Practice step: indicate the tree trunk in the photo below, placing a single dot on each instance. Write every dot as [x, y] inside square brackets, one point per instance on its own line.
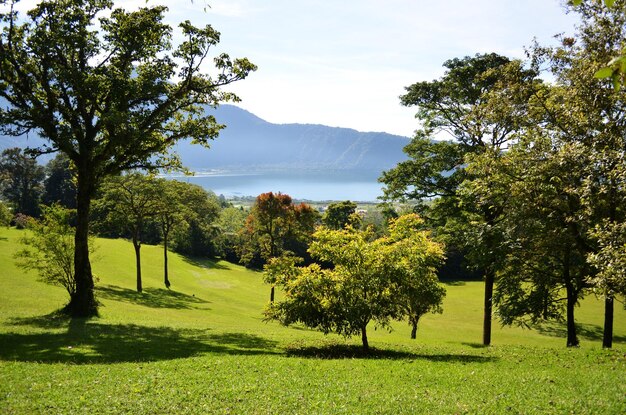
[607, 339]
[165, 274]
[572, 338]
[488, 307]
[83, 302]
[137, 246]
[272, 295]
[366, 345]
[414, 330]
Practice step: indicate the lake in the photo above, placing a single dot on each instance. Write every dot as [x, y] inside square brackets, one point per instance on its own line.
[310, 185]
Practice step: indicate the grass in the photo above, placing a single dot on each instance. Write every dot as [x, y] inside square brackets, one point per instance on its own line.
[202, 347]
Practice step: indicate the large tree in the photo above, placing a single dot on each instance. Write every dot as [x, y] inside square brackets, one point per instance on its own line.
[589, 113]
[471, 103]
[109, 89]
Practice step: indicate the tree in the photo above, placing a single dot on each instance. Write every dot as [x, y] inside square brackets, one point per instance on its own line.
[130, 201]
[276, 226]
[109, 89]
[368, 281]
[197, 233]
[230, 221]
[20, 181]
[419, 290]
[60, 183]
[471, 103]
[170, 212]
[598, 125]
[339, 214]
[49, 248]
[544, 242]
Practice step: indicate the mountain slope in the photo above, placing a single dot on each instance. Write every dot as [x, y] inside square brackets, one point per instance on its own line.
[250, 143]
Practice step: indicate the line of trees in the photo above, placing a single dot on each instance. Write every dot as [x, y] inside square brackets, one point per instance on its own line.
[531, 187]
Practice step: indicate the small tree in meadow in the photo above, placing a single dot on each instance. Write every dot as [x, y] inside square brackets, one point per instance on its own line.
[49, 247]
[371, 280]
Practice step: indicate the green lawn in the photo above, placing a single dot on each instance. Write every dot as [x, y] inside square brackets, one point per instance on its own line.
[202, 347]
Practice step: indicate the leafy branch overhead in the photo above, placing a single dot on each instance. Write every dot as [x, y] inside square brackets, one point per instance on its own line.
[615, 69]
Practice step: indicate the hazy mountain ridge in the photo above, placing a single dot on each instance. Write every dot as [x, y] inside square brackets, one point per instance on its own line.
[250, 143]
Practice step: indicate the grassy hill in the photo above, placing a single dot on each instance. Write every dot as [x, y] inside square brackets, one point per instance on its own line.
[202, 347]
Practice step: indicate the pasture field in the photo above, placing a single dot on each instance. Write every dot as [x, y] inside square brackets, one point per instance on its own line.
[203, 348]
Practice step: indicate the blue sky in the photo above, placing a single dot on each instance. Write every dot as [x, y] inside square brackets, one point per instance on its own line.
[345, 62]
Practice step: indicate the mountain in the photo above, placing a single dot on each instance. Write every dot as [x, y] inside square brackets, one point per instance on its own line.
[249, 143]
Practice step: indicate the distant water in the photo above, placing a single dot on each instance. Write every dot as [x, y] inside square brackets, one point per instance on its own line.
[309, 185]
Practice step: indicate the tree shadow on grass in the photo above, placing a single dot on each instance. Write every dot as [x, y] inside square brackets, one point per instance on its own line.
[475, 345]
[590, 332]
[152, 297]
[203, 263]
[87, 341]
[340, 351]
[453, 283]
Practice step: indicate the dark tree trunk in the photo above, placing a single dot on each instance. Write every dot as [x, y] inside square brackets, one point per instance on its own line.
[83, 302]
[137, 246]
[366, 345]
[488, 307]
[165, 274]
[414, 330]
[272, 295]
[572, 338]
[607, 339]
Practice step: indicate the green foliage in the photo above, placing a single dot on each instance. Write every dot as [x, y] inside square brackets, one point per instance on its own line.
[275, 226]
[60, 182]
[610, 259]
[49, 247]
[5, 214]
[480, 103]
[338, 215]
[130, 202]
[230, 221]
[614, 69]
[200, 208]
[381, 280]
[21, 181]
[419, 292]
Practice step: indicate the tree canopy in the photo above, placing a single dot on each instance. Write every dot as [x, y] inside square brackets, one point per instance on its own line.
[370, 280]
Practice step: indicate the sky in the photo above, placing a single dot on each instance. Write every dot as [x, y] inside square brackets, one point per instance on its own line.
[344, 63]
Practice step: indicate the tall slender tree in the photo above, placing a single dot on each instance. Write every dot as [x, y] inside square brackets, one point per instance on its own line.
[462, 104]
[130, 201]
